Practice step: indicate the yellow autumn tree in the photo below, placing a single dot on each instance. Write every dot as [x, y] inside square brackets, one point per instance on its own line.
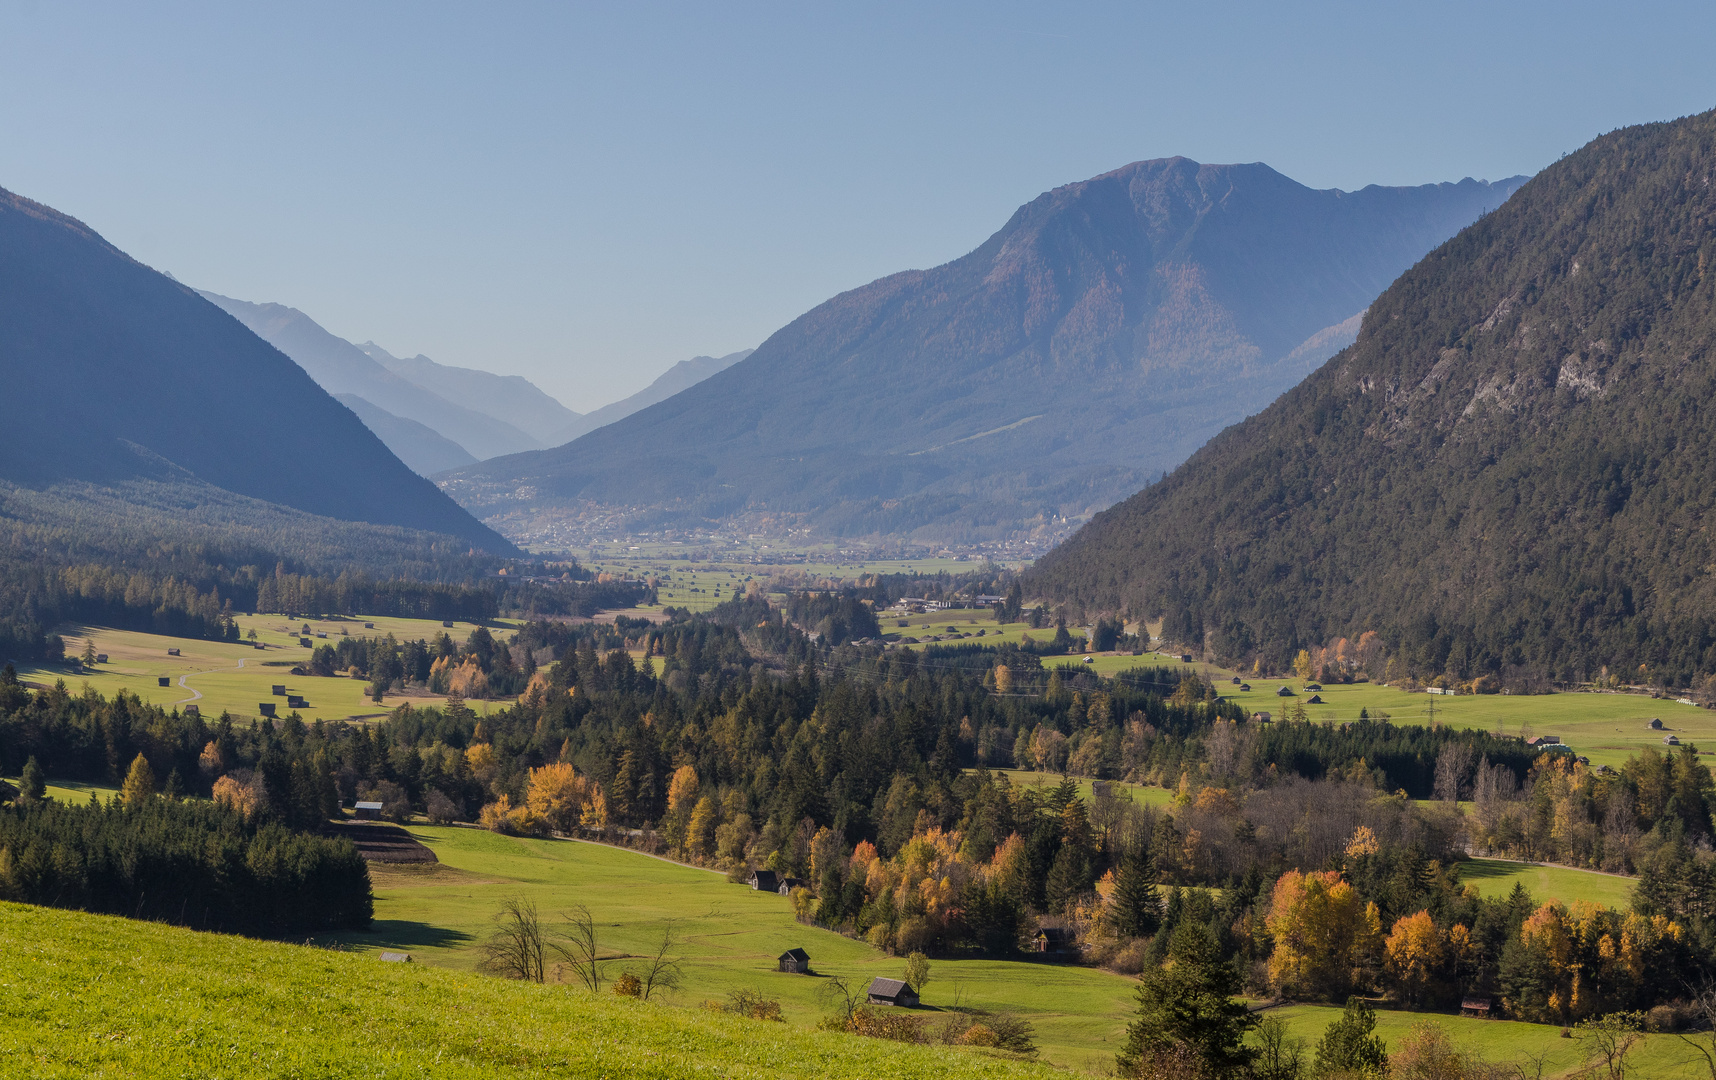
[1302, 665]
[681, 797]
[234, 795]
[139, 783]
[700, 832]
[557, 795]
[1414, 957]
[1323, 931]
[595, 814]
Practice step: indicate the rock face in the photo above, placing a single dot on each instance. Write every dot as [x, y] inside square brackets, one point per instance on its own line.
[115, 372]
[1510, 468]
[1102, 335]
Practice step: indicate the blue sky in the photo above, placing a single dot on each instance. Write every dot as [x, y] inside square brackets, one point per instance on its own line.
[586, 194]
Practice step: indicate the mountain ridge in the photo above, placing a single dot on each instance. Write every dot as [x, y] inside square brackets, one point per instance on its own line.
[1099, 308]
[1507, 469]
[166, 384]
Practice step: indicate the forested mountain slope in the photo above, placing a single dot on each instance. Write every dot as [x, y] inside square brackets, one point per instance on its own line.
[1514, 464]
[113, 372]
[1099, 337]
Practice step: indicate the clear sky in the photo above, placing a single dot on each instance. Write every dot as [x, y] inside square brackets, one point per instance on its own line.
[586, 194]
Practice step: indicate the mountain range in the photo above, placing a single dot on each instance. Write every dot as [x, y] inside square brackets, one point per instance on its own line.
[1096, 340]
[116, 373]
[1512, 467]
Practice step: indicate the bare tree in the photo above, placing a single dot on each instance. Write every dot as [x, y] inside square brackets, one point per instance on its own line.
[661, 971]
[842, 995]
[581, 950]
[1704, 1000]
[1453, 766]
[516, 949]
[1610, 1040]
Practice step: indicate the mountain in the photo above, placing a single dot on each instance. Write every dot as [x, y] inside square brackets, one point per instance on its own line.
[1102, 335]
[340, 367]
[115, 372]
[423, 449]
[512, 399]
[1513, 467]
[681, 376]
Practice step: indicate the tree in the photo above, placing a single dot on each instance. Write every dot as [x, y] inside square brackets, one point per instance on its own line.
[1186, 1012]
[661, 970]
[917, 971]
[139, 783]
[700, 831]
[581, 953]
[1302, 665]
[1136, 908]
[516, 949]
[1348, 1045]
[32, 787]
[1415, 954]
[88, 656]
[1279, 1055]
[1323, 929]
[1608, 1041]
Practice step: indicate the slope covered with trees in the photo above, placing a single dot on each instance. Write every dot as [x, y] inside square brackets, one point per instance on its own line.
[1511, 466]
[1099, 337]
[115, 372]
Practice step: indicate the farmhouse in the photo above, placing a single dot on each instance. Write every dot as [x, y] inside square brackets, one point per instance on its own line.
[892, 992]
[765, 881]
[1052, 939]
[1543, 740]
[788, 884]
[795, 962]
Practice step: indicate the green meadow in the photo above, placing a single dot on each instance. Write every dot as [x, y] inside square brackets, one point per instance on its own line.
[732, 935]
[220, 676]
[92, 996]
[1497, 877]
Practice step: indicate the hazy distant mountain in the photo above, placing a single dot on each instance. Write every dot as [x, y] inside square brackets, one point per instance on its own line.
[1511, 467]
[681, 376]
[422, 448]
[512, 399]
[1108, 330]
[115, 372]
[342, 368]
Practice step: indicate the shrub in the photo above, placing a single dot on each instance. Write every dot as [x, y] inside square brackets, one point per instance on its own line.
[885, 1024]
[628, 985]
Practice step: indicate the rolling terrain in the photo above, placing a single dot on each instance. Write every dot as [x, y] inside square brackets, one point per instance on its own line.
[1097, 339]
[1511, 467]
[117, 373]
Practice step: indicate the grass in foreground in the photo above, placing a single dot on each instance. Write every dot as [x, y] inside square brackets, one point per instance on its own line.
[97, 996]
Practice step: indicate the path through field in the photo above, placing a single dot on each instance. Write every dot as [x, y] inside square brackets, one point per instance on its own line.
[197, 695]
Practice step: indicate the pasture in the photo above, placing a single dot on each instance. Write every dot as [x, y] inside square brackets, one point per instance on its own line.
[732, 935]
[1497, 877]
[94, 996]
[220, 676]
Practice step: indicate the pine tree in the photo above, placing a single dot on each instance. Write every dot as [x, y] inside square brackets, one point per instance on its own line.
[32, 787]
[1348, 1046]
[88, 657]
[139, 783]
[1136, 909]
[1187, 1016]
[175, 788]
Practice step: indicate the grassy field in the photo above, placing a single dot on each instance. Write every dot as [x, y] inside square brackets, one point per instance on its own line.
[96, 996]
[219, 676]
[1661, 1057]
[1141, 793]
[732, 935]
[1496, 877]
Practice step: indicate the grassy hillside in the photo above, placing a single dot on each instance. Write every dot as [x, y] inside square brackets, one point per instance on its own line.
[220, 676]
[94, 996]
[732, 935]
[1511, 467]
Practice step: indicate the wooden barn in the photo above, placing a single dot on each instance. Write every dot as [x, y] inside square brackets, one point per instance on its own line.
[892, 992]
[765, 881]
[795, 962]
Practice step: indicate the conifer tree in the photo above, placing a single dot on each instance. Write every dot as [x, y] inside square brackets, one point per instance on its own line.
[139, 783]
[1348, 1046]
[32, 787]
[1187, 1016]
[1136, 909]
